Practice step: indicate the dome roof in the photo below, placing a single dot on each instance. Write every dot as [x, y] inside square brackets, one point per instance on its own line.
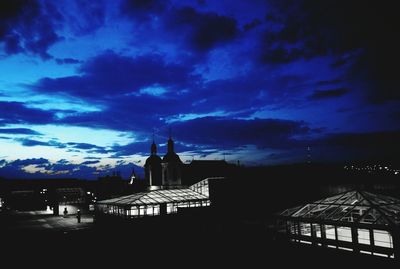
[153, 159]
[172, 157]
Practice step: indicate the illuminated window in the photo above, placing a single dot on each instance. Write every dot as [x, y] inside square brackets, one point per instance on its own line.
[305, 228]
[134, 211]
[292, 227]
[344, 234]
[330, 232]
[142, 210]
[363, 236]
[383, 239]
[150, 211]
[156, 210]
[169, 209]
[317, 229]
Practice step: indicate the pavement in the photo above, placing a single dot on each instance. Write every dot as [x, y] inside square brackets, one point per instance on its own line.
[45, 221]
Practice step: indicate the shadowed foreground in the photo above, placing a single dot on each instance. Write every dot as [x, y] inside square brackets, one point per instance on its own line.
[160, 243]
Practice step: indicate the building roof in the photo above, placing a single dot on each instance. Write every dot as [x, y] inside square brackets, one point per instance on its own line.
[162, 196]
[352, 207]
[153, 159]
[171, 157]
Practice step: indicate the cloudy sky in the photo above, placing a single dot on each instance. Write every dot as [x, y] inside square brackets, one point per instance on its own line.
[84, 85]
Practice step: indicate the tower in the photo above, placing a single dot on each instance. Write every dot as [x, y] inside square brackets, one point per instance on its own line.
[309, 155]
[132, 177]
[171, 166]
[152, 167]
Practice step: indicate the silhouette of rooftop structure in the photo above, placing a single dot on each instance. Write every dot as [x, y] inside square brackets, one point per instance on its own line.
[156, 202]
[355, 220]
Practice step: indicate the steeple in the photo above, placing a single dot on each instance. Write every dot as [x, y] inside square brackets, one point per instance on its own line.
[170, 143]
[153, 148]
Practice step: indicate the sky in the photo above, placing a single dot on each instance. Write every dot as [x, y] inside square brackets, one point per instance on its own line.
[85, 86]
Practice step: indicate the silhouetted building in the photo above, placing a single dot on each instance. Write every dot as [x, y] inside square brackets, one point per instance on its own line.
[133, 177]
[197, 170]
[170, 171]
[69, 200]
[111, 186]
[171, 167]
[356, 221]
[152, 168]
[155, 202]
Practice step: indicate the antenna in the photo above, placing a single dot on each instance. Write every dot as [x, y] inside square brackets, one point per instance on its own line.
[308, 154]
[169, 132]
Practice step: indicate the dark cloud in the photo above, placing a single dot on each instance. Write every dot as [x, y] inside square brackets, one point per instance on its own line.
[64, 169]
[220, 132]
[67, 61]
[110, 74]
[327, 94]
[143, 148]
[26, 162]
[17, 112]
[91, 158]
[203, 30]
[24, 131]
[199, 31]
[32, 143]
[143, 9]
[372, 146]
[253, 24]
[28, 26]
[280, 54]
[91, 16]
[89, 147]
[71, 146]
[90, 162]
[133, 148]
[313, 28]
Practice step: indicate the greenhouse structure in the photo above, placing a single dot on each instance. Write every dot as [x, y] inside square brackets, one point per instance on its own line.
[356, 221]
[156, 202]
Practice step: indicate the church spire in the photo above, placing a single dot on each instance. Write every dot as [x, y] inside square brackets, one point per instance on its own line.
[170, 142]
[153, 147]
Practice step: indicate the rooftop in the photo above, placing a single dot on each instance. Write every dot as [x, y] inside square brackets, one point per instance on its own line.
[351, 206]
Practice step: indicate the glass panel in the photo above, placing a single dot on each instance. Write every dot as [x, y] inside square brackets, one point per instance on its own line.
[134, 211]
[304, 210]
[142, 211]
[383, 239]
[156, 210]
[330, 232]
[354, 214]
[317, 229]
[305, 228]
[316, 211]
[290, 211]
[328, 211]
[149, 210]
[371, 216]
[363, 236]
[340, 212]
[344, 233]
[393, 212]
[169, 208]
[292, 227]
[333, 199]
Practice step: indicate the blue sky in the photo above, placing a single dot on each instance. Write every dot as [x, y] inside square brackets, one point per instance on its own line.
[84, 85]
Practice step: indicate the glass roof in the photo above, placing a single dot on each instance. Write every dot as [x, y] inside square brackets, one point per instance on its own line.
[351, 206]
[161, 196]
